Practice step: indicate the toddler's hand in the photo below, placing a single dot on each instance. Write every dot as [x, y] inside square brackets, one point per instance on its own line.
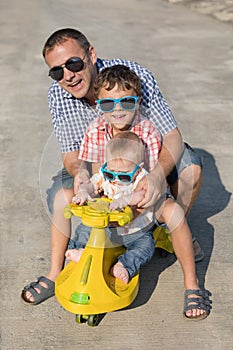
[132, 199]
[81, 197]
[118, 203]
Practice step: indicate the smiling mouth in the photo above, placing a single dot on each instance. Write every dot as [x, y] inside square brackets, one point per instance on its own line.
[75, 83]
[119, 116]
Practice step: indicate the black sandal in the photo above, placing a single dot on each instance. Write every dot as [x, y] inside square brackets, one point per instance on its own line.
[39, 297]
[201, 301]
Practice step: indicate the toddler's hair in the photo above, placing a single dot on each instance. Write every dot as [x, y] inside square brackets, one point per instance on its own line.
[125, 145]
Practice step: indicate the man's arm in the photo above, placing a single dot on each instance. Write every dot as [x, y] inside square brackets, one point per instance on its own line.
[154, 184]
[171, 151]
[76, 168]
[71, 162]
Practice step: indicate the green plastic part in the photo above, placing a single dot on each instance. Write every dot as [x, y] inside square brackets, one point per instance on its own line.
[80, 298]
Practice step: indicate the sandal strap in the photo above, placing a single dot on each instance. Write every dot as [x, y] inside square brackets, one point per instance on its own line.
[44, 292]
[37, 284]
[201, 301]
[47, 281]
[200, 292]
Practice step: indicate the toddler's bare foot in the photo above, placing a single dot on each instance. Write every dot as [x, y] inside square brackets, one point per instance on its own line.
[120, 272]
[74, 254]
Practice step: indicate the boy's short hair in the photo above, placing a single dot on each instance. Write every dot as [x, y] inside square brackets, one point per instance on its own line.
[125, 145]
[119, 75]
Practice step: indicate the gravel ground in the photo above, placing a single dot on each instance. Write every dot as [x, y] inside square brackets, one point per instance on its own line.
[219, 9]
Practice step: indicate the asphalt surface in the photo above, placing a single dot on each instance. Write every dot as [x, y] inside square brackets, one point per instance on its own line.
[222, 10]
[191, 56]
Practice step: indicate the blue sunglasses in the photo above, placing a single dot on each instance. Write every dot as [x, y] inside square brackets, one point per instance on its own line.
[127, 103]
[123, 177]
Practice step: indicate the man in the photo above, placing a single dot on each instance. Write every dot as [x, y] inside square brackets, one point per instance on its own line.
[74, 66]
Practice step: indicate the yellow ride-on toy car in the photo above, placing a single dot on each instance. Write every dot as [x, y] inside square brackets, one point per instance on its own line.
[86, 288]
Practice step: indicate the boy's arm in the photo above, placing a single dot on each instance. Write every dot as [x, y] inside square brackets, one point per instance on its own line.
[84, 185]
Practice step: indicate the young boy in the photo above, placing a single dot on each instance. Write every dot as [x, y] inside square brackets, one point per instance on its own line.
[117, 180]
[118, 93]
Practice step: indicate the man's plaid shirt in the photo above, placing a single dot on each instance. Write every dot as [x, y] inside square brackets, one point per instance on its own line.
[100, 131]
[71, 116]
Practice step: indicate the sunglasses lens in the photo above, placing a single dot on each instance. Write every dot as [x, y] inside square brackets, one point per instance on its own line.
[108, 176]
[75, 64]
[106, 105]
[56, 73]
[124, 178]
[128, 103]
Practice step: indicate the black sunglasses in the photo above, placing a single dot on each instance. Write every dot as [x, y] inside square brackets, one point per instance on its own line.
[73, 64]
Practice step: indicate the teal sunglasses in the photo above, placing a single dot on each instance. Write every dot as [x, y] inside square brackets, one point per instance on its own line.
[127, 103]
[123, 177]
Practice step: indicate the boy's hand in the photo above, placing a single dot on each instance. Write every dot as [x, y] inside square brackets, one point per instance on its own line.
[82, 177]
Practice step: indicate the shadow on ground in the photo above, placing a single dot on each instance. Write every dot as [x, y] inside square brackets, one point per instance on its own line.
[213, 199]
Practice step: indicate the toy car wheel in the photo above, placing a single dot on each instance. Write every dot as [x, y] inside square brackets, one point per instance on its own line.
[93, 320]
[80, 319]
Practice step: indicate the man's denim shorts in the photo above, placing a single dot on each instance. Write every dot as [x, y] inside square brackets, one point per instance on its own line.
[188, 158]
[64, 180]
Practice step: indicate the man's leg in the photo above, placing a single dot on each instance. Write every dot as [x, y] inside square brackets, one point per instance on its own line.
[187, 188]
[173, 215]
[59, 195]
[185, 183]
[60, 234]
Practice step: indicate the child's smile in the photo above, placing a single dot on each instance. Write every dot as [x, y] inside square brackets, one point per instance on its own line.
[119, 118]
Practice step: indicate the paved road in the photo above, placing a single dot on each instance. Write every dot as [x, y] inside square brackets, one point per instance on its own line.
[222, 10]
[191, 56]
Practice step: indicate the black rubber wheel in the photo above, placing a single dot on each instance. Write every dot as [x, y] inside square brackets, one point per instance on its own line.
[80, 319]
[93, 320]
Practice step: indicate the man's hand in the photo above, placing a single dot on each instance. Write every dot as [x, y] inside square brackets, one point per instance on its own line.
[154, 183]
[154, 186]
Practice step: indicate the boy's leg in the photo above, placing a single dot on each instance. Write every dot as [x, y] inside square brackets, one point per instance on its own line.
[140, 249]
[78, 243]
[119, 271]
[74, 254]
